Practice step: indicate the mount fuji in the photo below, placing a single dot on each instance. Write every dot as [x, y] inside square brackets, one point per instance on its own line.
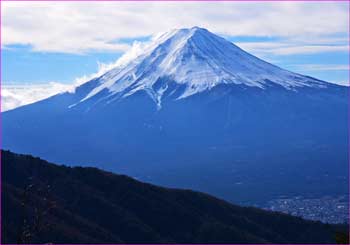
[196, 111]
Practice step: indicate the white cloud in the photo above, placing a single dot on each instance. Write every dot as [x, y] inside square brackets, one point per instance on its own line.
[134, 51]
[342, 83]
[78, 27]
[323, 67]
[16, 95]
[291, 47]
[311, 49]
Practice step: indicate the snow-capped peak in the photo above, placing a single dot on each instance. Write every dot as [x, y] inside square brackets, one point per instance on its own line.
[198, 59]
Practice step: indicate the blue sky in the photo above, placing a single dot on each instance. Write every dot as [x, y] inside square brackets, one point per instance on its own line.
[21, 64]
[66, 42]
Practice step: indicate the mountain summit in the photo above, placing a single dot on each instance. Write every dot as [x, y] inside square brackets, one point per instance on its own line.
[184, 62]
[195, 111]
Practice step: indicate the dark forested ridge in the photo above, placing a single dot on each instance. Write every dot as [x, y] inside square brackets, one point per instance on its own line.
[47, 203]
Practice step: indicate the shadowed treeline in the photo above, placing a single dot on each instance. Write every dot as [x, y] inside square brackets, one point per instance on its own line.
[47, 203]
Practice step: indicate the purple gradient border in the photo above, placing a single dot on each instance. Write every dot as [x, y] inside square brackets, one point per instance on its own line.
[320, 1]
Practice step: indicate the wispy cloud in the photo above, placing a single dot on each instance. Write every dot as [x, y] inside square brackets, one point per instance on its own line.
[342, 83]
[291, 47]
[322, 67]
[80, 27]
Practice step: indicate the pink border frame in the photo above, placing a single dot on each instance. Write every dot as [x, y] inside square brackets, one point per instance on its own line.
[320, 1]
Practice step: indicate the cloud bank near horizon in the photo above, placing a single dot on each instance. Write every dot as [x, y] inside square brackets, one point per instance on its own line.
[15, 95]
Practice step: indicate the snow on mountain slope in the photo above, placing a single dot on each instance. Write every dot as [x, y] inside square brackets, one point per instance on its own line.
[198, 59]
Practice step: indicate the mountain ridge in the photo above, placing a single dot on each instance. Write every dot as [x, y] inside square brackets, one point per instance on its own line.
[88, 205]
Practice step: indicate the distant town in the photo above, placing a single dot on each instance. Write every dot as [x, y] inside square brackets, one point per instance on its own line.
[332, 210]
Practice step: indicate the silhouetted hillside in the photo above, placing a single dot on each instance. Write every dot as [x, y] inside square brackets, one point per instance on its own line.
[47, 203]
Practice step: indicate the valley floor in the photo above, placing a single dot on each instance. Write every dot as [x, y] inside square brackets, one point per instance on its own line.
[327, 209]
